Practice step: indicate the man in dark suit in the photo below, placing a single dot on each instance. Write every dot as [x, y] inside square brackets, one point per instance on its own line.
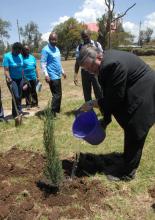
[88, 80]
[129, 95]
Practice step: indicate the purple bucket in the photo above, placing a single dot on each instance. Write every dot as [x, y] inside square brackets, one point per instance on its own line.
[86, 126]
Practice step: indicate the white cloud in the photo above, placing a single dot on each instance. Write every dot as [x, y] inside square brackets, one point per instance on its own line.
[150, 21]
[61, 20]
[132, 28]
[45, 36]
[90, 11]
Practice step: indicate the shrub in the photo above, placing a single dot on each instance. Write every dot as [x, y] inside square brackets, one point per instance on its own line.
[53, 168]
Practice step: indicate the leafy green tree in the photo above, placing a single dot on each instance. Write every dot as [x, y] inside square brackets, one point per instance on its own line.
[145, 36]
[103, 33]
[69, 35]
[148, 34]
[31, 35]
[118, 35]
[106, 22]
[4, 34]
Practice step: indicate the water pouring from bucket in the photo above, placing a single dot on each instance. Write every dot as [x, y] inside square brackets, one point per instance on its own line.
[87, 127]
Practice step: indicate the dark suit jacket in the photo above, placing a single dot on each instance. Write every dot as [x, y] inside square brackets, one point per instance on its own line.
[129, 91]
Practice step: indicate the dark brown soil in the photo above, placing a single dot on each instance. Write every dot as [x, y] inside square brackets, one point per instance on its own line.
[24, 193]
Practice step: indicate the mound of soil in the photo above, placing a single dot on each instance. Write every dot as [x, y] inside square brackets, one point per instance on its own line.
[25, 194]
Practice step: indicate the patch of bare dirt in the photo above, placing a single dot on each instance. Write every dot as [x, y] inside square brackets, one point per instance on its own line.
[25, 195]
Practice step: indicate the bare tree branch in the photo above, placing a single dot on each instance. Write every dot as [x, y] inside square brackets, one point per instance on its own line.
[106, 3]
[123, 13]
[113, 6]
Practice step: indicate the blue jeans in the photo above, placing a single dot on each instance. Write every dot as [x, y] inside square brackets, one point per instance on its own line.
[16, 86]
[1, 107]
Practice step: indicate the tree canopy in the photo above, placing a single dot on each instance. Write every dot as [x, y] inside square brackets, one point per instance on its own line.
[69, 35]
[31, 35]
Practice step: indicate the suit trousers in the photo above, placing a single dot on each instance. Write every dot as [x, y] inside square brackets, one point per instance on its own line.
[56, 90]
[89, 80]
[132, 152]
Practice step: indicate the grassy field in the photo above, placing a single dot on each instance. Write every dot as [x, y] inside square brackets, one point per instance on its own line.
[130, 200]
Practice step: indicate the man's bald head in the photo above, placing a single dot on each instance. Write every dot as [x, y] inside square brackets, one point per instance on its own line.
[53, 39]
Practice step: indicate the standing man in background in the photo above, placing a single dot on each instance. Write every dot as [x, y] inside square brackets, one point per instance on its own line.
[13, 67]
[88, 79]
[52, 68]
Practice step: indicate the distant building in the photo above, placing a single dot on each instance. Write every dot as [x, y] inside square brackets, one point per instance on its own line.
[93, 27]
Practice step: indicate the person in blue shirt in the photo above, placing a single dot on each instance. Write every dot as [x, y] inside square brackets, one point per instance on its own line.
[13, 67]
[52, 68]
[31, 74]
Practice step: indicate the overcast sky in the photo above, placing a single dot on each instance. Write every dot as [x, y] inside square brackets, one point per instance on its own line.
[47, 13]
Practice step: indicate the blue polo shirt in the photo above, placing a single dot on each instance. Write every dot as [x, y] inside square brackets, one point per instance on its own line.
[29, 65]
[14, 63]
[51, 60]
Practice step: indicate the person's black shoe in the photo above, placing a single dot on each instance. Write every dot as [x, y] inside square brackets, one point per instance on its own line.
[121, 178]
[113, 178]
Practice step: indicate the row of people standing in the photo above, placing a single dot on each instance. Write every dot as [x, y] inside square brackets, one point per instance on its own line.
[52, 68]
[19, 64]
[19, 68]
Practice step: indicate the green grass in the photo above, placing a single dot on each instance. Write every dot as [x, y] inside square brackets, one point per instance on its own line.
[130, 200]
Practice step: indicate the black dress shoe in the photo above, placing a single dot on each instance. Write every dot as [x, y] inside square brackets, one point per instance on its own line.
[120, 178]
[113, 178]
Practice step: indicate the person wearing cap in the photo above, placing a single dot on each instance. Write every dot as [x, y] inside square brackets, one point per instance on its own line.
[129, 95]
[13, 70]
[31, 74]
[88, 80]
[52, 68]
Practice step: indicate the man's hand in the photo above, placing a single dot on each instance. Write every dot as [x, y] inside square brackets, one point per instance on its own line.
[76, 79]
[47, 79]
[38, 78]
[87, 106]
[64, 75]
[8, 79]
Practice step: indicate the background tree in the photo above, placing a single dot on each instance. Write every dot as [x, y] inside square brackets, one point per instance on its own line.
[69, 35]
[145, 36]
[148, 34]
[102, 33]
[118, 35]
[108, 20]
[4, 29]
[31, 35]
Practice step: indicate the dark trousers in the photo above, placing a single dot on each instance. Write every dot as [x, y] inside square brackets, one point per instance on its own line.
[56, 90]
[16, 86]
[1, 107]
[132, 153]
[89, 80]
[30, 94]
